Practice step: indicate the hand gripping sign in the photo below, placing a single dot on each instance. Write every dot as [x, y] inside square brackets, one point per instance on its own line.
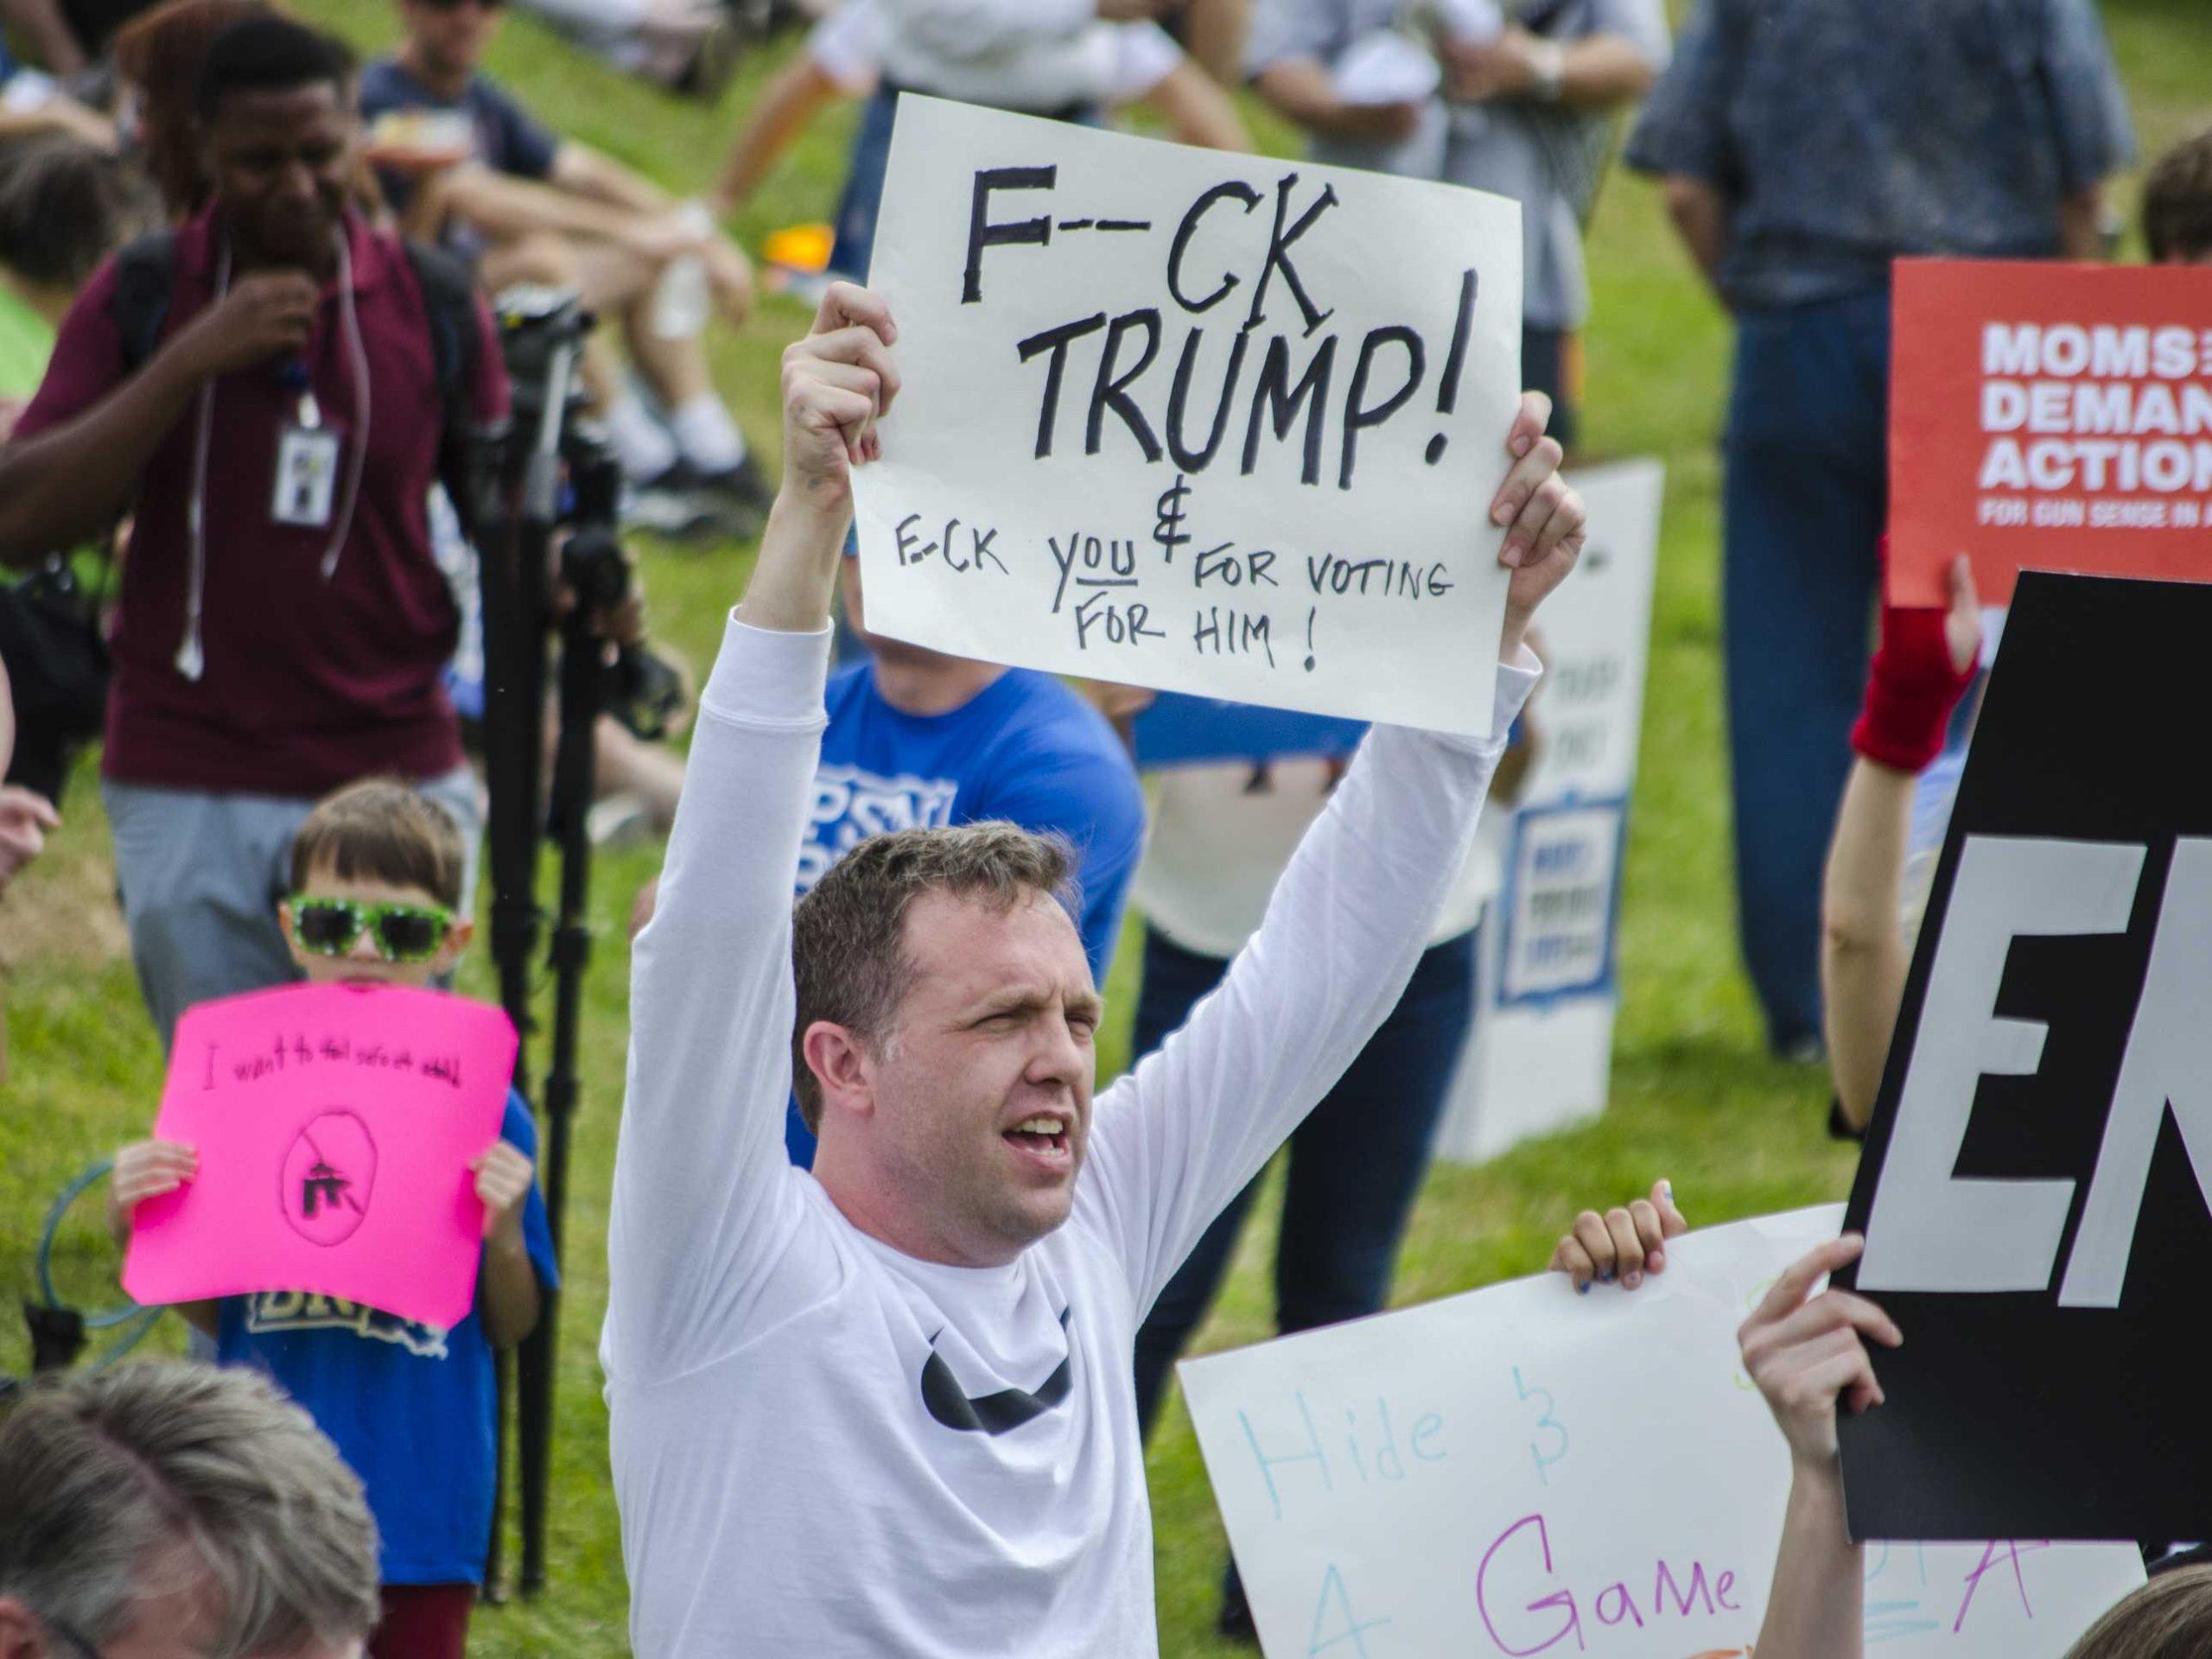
[334, 1126]
[1204, 422]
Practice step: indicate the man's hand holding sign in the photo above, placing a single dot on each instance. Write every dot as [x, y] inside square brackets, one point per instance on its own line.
[889, 1406]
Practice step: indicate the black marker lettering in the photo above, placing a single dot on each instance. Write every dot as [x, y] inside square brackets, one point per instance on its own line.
[1190, 459]
[1111, 392]
[1282, 401]
[1279, 243]
[983, 234]
[1234, 189]
[1358, 415]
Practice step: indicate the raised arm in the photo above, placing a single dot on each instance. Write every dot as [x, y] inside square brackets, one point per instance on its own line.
[1925, 663]
[1175, 1139]
[1808, 1359]
[703, 1193]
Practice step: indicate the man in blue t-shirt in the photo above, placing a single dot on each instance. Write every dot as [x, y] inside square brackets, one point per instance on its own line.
[466, 164]
[917, 738]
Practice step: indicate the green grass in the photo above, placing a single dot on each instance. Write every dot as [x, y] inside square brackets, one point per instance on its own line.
[1694, 1096]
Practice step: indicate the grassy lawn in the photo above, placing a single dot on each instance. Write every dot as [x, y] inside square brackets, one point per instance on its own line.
[1694, 1096]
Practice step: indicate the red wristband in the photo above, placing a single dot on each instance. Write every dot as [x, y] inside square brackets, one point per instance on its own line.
[1910, 691]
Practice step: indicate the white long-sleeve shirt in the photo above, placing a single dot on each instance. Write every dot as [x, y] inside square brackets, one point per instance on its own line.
[822, 1447]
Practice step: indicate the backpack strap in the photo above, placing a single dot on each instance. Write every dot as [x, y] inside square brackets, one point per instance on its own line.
[145, 273]
[449, 301]
[456, 354]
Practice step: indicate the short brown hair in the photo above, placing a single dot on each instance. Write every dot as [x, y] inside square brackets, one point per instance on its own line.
[381, 829]
[2177, 201]
[2170, 1618]
[849, 952]
[110, 1475]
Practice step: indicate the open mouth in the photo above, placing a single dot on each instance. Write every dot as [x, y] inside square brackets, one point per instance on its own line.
[1042, 1137]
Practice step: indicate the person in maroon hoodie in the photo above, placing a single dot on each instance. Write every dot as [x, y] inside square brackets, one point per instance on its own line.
[281, 624]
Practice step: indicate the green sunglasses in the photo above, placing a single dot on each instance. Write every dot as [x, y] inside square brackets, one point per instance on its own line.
[329, 927]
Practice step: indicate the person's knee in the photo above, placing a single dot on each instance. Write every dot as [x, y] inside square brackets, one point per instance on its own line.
[540, 257]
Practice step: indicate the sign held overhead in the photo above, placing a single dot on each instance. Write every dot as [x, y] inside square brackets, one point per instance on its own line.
[1205, 423]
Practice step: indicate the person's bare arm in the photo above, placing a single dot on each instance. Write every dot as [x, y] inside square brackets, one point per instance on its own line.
[1214, 32]
[503, 208]
[67, 484]
[583, 171]
[1301, 91]
[2082, 224]
[62, 114]
[1197, 110]
[787, 106]
[1700, 214]
[1862, 947]
[507, 1284]
[838, 382]
[48, 35]
[1863, 957]
[1810, 1361]
[1598, 72]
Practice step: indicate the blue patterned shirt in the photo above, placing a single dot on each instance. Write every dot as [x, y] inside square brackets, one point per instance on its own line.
[1847, 132]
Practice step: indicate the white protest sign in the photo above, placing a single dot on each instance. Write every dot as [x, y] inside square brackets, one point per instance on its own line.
[1195, 420]
[1520, 1471]
[1542, 1049]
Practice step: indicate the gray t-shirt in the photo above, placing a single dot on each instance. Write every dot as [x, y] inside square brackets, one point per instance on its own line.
[1545, 157]
[1844, 139]
[1548, 159]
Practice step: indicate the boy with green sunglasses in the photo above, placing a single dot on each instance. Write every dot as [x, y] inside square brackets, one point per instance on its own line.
[376, 881]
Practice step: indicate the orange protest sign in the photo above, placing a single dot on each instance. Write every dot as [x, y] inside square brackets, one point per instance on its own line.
[2051, 417]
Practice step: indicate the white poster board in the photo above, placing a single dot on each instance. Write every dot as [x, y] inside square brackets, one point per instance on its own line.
[1540, 1057]
[1521, 1470]
[1201, 422]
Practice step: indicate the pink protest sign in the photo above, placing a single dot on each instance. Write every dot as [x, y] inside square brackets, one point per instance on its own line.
[334, 1125]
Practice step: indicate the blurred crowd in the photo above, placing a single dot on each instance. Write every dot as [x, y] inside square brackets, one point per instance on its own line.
[258, 305]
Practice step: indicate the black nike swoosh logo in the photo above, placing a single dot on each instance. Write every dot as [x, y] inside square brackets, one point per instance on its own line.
[992, 1414]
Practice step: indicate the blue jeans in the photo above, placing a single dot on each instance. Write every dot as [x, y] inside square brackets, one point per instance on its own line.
[862, 204]
[1356, 1162]
[1805, 500]
[863, 196]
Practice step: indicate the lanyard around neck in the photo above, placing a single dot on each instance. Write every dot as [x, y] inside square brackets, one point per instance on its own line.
[191, 652]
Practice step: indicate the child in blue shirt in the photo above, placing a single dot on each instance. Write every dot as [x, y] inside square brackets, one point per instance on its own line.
[376, 881]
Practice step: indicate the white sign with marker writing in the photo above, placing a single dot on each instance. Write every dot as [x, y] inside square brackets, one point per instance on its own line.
[1191, 420]
[1522, 1471]
[1542, 1056]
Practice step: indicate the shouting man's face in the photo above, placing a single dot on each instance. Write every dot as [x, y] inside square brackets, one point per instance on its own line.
[958, 1136]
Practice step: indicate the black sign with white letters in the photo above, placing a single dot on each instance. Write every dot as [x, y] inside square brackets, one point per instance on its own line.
[2034, 1187]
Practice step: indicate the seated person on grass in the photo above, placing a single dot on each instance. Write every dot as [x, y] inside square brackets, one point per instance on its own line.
[531, 206]
[376, 879]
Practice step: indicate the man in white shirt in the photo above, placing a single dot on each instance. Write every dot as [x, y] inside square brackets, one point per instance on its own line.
[886, 1407]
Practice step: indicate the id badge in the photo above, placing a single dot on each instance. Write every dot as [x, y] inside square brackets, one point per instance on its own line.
[307, 478]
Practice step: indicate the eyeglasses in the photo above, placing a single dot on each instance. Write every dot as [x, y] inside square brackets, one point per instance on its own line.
[329, 927]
